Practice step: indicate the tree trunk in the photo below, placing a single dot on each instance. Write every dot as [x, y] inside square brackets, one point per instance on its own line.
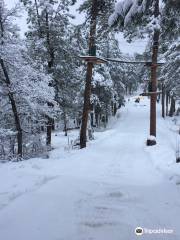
[38, 18]
[154, 78]
[163, 101]
[50, 66]
[18, 125]
[97, 118]
[87, 93]
[53, 125]
[115, 109]
[172, 107]
[65, 123]
[14, 109]
[48, 131]
[11, 97]
[167, 103]
[92, 119]
[86, 108]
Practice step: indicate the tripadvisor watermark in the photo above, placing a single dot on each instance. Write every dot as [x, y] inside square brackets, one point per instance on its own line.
[139, 231]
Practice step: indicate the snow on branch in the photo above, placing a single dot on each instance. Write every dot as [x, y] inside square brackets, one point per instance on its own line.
[126, 10]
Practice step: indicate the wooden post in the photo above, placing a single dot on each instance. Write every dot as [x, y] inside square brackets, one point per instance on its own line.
[154, 78]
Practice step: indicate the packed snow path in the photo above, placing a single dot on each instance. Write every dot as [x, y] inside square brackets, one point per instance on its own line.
[100, 193]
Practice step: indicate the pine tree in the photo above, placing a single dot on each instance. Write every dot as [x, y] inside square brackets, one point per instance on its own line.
[95, 16]
[48, 31]
[170, 74]
[170, 52]
[25, 88]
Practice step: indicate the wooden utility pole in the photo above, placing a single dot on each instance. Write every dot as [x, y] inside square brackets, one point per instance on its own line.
[87, 93]
[154, 66]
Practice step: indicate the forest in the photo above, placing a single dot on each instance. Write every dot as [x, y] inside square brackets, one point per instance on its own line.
[89, 127]
[43, 77]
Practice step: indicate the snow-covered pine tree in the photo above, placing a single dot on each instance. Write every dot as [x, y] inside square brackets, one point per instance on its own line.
[69, 75]
[170, 21]
[170, 50]
[48, 32]
[170, 73]
[96, 13]
[108, 78]
[24, 88]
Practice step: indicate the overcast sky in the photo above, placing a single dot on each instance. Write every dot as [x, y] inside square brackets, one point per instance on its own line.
[137, 46]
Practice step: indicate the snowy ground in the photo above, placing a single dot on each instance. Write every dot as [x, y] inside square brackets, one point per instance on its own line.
[101, 193]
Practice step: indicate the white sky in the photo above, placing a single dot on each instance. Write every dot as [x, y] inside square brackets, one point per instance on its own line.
[137, 46]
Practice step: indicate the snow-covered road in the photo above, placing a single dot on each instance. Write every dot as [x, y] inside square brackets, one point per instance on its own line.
[100, 193]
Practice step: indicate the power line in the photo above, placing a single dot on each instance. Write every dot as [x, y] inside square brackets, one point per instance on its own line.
[134, 62]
